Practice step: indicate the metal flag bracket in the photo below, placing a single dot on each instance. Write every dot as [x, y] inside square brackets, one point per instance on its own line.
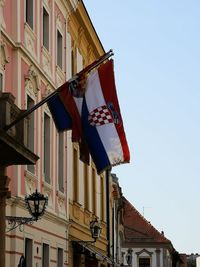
[73, 81]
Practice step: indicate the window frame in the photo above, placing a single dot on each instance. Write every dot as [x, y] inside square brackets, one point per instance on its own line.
[47, 154]
[30, 140]
[144, 258]
[94, 196]
[60, 264]
[29, 259]
[47, 262]
[75, 174]
[44, 29]
[73, 60]
[61, 157]
[102, 196]
[26, 14]
[1, 82]
[59, 50]
[86, 186]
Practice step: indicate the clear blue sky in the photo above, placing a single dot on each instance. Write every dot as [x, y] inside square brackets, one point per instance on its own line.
[157, 70]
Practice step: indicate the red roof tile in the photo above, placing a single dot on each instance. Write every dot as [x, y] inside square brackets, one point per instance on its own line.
[137, 229]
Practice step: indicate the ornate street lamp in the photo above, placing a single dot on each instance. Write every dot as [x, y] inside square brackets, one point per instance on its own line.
[129, 257]
[95, 229]
[36, 205]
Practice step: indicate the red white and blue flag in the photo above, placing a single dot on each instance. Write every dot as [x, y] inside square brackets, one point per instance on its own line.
[101, 119]
[94, 117]
[65, 113]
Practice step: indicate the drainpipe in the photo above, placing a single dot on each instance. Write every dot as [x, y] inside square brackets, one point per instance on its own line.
[4, 193]
[108, 212]
[113, 232]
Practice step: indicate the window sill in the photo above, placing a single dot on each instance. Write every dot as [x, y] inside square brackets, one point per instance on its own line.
[46, 61]
[29, 30]
[47, 186]
[60, 194]
[29, 39]
[29, 175]
[30, 181]
[46, 52]
[47, 190]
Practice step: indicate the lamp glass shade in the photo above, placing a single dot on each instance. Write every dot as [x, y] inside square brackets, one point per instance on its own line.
[95, 229]
[36, 204]
[129, 257]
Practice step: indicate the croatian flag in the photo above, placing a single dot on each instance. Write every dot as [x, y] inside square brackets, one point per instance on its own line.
[101, 120]
[61, 116]
[94, 116]
[65, 113]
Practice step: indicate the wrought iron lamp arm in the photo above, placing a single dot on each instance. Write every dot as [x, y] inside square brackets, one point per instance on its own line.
[15, 221]
[36, 204]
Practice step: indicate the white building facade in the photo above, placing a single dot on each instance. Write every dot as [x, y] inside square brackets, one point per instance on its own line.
[144, 246]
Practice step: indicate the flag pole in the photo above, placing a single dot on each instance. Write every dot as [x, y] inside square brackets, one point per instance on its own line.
[43, 101]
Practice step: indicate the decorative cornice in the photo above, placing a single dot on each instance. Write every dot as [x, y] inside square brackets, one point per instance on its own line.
[31, 59]
[60, 25]
[47, 4]
[144, 251]
[4, 59]
[32, 81]
[2, 21]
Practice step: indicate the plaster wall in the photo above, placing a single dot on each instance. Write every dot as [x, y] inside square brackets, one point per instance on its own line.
[150, 252]
[198, 262]
[29, 69]
[15, 239]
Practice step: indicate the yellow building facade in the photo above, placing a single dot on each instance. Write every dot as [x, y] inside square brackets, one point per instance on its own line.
[86, 189]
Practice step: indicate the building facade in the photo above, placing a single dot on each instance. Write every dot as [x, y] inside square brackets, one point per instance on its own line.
[144, 245]
[116, 220]
[44, 43]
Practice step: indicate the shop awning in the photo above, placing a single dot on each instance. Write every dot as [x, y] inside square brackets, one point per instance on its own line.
[84, 247]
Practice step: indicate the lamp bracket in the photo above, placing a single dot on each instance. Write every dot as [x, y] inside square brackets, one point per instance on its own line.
[84, 242]
[14, 222]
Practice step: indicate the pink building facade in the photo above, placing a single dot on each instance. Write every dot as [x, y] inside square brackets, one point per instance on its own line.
[36, 57]
[30, 70]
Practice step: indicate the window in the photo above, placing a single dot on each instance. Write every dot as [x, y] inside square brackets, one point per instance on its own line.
[28, 252]
[59, 49]
[73, 62]
[144, 262]
[29, 13]
[45, 29]
[79, 61]
[102, 197]
[30, 131]
[86, 189]
[75, 173]
[46, 148]
[61, 162]
[77, 260]
[1, 82]
[45, 255]
[94, 190]
[60, 257]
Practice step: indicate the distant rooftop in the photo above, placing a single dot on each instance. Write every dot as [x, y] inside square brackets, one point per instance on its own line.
[138, 229]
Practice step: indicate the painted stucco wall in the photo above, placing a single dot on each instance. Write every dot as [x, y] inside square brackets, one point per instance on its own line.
[198, 262]
[159, 257]
[29, 69]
